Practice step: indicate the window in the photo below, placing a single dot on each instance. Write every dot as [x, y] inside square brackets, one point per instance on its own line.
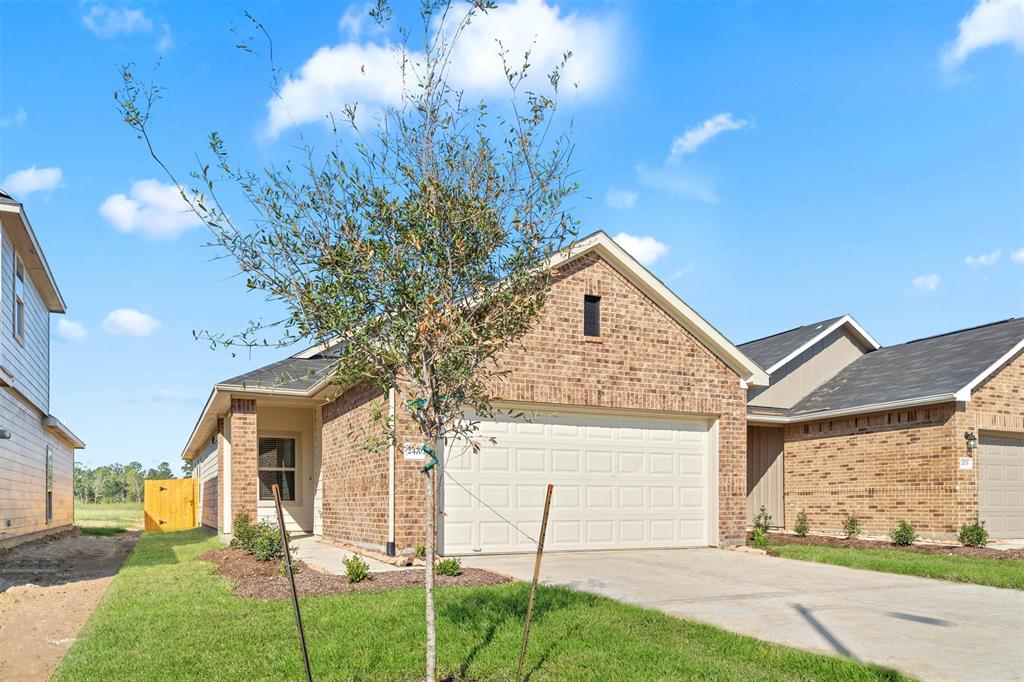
[19, 299]
[592, 316]
[277, 465]
[49, 484]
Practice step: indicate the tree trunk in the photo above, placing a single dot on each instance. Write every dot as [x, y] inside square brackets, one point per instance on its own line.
[429, 573]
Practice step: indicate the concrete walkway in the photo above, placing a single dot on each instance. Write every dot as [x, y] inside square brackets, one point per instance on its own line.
[932, 629]
[329, 558]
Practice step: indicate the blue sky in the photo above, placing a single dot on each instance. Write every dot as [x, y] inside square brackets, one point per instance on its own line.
[774, 163]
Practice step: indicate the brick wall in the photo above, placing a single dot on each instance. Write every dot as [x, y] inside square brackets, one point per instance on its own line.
[355, 469]
[643, 360]
[879, 467]
[244, 482]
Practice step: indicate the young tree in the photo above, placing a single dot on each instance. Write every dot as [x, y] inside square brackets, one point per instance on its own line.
[418, 250]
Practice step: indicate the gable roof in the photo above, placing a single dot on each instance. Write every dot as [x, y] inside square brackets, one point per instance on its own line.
[775, 351]
[290, 375]
[934, 369]
[22, 236]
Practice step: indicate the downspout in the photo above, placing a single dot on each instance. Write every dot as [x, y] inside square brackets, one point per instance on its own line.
[392, 409]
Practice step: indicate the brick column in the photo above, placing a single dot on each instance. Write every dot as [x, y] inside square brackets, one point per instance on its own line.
[243, 458]
[219, 436]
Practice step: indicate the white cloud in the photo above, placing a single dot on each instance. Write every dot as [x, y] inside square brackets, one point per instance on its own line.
[153, 208]
[991, 22]
[685, 270]
[678, 181]
[1018, 256]
[166, 40]
[33, 179]
[370, 73]
[72, 331]
[107, 22]
[129, 322]
[620, 198]
[984, 260]
[926, 284]
[692, 139]
[18, 118]
[355, 20]
[644, 249]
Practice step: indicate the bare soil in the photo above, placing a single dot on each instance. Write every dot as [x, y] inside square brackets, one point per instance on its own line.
[48, 590]
[950, 550]
[263, 579]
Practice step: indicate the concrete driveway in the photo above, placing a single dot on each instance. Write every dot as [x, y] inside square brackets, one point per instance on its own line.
[931, 629]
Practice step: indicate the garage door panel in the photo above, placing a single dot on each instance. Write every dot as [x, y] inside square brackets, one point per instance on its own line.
[1001, 486]
[620, 482]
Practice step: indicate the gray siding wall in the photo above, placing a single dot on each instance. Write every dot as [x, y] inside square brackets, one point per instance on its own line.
[765, 473]
[205, 470]
[23, 472]
[29, 363]
[807, 371]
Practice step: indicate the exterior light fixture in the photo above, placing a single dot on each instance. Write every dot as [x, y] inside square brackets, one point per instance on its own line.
[5, 434]
[972, 441]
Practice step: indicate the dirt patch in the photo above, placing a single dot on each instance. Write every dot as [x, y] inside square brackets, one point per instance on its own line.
[263, 580]
[48, 590]
[949, 550]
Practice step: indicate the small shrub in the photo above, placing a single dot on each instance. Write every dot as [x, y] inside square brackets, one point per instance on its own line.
[242, 532]
[421, 551]
[283, 568]
[903, 534]
[802, 527]
[759, 538]
[851, 527]
[356, 569]
[264, 541]
[451, 566]
[973, 534]
[763, 520]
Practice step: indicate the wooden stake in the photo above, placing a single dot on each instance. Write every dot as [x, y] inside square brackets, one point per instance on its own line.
[291, 579]
[536, 577]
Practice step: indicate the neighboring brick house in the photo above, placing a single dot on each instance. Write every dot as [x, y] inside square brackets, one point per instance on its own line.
[638, 417]
[37, 452]
[931, 431]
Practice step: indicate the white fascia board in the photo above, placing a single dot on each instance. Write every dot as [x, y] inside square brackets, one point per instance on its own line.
[57, 304]
[857, 330]
[850, 411]
[55, 425]
[199, 431]
[667, 300]
[964, 394]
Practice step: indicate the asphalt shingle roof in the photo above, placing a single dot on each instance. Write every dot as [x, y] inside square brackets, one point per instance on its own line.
[292, 374]
[769, 350]
[937, 365]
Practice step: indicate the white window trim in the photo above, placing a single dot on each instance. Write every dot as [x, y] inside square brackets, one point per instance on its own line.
[298, 457]
[18, 300]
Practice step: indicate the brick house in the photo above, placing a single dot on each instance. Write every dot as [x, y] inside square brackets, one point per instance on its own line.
[637, 415]
[931, 431]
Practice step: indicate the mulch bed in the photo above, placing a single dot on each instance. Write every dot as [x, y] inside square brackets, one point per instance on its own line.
[263, 579]
[951, 550]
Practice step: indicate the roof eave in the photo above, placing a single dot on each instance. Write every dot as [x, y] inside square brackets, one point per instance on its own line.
[35, 260]
[846, 320]
[964, 394]
[849, 411]
[55, 425]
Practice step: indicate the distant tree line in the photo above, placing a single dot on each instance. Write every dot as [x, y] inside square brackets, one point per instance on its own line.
[116, 482]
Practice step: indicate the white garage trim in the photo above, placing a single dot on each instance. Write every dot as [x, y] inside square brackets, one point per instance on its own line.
[623, 480]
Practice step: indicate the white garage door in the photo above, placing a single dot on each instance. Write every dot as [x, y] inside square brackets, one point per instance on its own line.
[1001, 486]
[620, 482]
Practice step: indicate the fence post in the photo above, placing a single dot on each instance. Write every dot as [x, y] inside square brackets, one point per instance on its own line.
[533, 587]
[291, 579]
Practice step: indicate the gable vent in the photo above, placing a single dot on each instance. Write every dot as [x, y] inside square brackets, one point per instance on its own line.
[591, 315]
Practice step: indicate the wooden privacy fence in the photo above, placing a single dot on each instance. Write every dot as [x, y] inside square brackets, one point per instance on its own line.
[171, 504]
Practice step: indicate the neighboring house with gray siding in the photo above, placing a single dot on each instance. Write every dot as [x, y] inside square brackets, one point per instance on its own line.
[36, 449]
[931, 431]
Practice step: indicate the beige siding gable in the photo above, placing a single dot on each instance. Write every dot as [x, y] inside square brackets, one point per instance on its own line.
[28, 361]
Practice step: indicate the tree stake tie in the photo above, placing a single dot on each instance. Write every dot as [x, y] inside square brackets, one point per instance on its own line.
[433, 459]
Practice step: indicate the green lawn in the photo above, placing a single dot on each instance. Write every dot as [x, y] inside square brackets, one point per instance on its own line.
[978, 570]
[168, 616]
[108, 519]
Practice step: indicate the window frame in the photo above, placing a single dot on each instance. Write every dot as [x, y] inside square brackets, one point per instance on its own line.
[49, 484]
[588, 301]
[294, 437]
[18, 300]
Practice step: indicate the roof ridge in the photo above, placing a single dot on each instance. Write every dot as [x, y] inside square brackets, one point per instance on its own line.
[787, 331]
[957, 331]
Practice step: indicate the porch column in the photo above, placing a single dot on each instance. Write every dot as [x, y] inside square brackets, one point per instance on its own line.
[221, 526]
[244, 484]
